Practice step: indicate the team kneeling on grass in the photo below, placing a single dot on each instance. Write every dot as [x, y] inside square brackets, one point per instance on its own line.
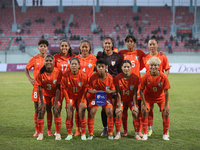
[82, 92]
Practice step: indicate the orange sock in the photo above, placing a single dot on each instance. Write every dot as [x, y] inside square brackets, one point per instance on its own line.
[118, 123]
[124, 119]
[40, 125]
[136, 123]
[144, 124]
[58, 124]
[110, 126]
[165, 125]
[90, 125]
[77, 120]
[49, 120]
[69, 126]
[83, 125]
[35, 120]
[140, 119]
[150, 118]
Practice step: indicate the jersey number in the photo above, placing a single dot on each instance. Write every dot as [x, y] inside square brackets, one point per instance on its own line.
[64, 66]
[35, 95]
[75, 89]
[125, 92]
[133, 63]
[48, 86]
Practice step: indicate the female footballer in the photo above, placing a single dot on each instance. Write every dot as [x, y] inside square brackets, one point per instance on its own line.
[154, 89]
[37, 62]
[48, 80]
[87, 61]
[164, 67]
[126, 85]
[135, 57]
[74, 85]
[114, 68]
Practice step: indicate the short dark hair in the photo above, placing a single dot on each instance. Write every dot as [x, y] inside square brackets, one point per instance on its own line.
[75, 58]
[102, 61]
[43, 41]
[70, 49]
[126, 61]
[84, 42]
[154, 38]
[132, 37]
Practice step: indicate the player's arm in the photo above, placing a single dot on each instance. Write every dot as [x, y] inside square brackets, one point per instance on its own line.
[32, 81]
[135, 110]
[40, 91]
[118, 109]
[167, 72]
[166, 107]
[144, 106]
[56, 106]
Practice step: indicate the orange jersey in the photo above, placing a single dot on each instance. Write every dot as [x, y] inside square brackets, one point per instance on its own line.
[37, 62]
[49, 82]
[154, 86]
[135, 58]
[75, 85]
[164, 65]
[87, 64]
[62, 62]
[99, 85]
[126, 86]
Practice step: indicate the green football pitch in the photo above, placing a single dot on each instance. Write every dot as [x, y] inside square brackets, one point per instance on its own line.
[17, 124]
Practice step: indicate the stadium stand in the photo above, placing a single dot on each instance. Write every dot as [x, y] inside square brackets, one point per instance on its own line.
[149, 18]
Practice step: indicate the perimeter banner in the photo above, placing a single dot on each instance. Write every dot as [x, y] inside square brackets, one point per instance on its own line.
[17, 67]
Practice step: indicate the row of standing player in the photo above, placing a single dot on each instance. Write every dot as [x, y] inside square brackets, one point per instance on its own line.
[137, 58]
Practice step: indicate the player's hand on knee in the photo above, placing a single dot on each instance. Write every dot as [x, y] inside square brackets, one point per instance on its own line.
[118, 110]
[166, 112]
[56, 108]
[135, 111]
[144, 110]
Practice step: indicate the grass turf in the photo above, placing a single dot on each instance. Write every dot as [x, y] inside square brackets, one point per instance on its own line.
[17, 124]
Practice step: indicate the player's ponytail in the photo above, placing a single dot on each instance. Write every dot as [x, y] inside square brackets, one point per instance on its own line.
[43, 69]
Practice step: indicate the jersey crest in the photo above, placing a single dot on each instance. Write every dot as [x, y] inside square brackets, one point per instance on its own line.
[112, 63]
[136, 57]
[54, 81]
[89, 65]
[160, 84]
[131, 87]
[80, 84]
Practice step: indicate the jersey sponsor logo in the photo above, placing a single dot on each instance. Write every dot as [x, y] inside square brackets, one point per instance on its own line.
[112, 63]
[68, 82]
[137, 57]
[131, 87]
[38, 63]
[80, 84]
[54, 81]
[107, 87]
[89, 65]
[155, 89]
[42, 79]
[160, 84]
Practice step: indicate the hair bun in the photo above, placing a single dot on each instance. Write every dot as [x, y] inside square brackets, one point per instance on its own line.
[153, 37]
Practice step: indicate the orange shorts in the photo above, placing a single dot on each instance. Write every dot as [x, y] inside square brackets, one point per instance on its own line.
[76, 102]
[107, 105]
[50, 100]
[35, 94]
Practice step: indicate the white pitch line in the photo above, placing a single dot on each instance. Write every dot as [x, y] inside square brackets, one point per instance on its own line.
[16, 82]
